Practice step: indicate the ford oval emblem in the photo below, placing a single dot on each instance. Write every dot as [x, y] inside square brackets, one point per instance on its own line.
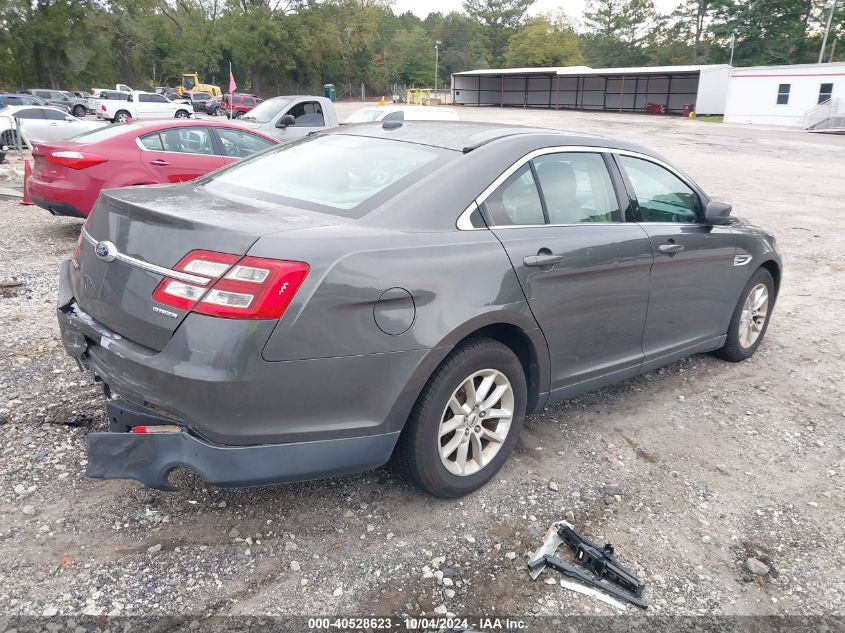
[105, 251]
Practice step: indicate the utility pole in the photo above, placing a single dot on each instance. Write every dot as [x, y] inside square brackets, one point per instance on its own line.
[733, 43]
[833, 5]
[437, 43]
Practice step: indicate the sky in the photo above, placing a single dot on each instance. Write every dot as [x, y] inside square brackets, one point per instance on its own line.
[572, 8]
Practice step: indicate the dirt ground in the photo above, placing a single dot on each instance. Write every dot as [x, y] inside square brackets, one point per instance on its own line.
[688, 471]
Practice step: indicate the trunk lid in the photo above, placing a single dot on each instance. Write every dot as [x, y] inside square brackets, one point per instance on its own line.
[159, 225]
[46, 171]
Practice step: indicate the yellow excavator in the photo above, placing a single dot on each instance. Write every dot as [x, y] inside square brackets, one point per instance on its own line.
[191, 83]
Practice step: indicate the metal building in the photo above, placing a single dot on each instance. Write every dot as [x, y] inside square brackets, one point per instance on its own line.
[701, 88]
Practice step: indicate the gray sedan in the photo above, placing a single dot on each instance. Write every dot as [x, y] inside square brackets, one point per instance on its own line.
[395, 292]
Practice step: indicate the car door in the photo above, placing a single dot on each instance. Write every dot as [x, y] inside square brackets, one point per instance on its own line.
[693, 261]
[309, 118]
[57, 125]
[584, 269]
[33, 123]
[145, 108]
[179, 154]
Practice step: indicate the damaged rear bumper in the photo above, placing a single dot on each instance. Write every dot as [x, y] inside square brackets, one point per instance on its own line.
[149, 458]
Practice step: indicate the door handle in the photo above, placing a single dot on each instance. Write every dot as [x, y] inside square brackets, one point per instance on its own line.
[541, 259]
[671, 248]
[159, 163]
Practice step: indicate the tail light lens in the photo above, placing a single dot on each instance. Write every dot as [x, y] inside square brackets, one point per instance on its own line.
[76, 160]
[238, 288]
[103, 107]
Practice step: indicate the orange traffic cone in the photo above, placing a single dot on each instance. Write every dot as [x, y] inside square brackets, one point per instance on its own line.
[381, 101]
[26, 174]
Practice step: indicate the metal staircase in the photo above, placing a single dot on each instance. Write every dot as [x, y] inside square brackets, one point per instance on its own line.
[828, 116]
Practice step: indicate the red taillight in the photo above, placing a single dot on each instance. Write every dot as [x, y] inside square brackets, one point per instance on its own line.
[76, 160]
[103, 107]
[242, 288]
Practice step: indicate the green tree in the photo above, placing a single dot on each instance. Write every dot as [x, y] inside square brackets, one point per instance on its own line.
[500, 18]
[544, 41]
[772, 31]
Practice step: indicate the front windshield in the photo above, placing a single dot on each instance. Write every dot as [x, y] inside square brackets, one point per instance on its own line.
[334, 173]
[265, 112]
[364, 115]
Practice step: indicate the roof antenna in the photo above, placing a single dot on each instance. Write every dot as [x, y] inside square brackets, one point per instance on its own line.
[393, 120]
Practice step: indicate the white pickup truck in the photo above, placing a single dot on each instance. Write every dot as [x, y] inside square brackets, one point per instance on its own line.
[142, 105]
[290, 117]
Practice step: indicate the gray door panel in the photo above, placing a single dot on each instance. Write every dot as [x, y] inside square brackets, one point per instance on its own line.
[689, 301]
[592, 304]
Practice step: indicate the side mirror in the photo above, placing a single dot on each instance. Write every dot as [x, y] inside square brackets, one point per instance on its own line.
[286, 121]
[717, 213]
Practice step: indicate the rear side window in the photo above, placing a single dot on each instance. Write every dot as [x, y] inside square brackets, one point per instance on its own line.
[338, 174]
[29, 113]
[576, 188]
[516, 201]
[187, 140]
[152, 142]
[661, 195]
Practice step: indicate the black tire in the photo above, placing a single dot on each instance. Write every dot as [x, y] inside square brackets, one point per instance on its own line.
[79, 111]
[733, 350]
[121, 116]
[182, 114]
[417, 453]
[238, 115]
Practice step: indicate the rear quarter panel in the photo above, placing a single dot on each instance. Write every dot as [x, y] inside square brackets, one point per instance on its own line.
[454, 278]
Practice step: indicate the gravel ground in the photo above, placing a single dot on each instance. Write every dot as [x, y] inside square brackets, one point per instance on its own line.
[689, 471]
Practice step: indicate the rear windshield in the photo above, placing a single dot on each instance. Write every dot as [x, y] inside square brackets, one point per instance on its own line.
[105, 133]
[339, 174]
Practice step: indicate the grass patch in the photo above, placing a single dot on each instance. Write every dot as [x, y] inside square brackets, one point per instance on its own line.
[710, 118]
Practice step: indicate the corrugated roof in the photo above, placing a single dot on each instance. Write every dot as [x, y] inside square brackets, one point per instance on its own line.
[586, 70]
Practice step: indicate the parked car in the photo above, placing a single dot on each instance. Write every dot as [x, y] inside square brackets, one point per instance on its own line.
[213, 106]
[40, 123]
[409, 113]
[296, 316]
[292, 117]
[143, 105]
[238, 104]
[67, 177]
[198, 100]
[15, 99]
[67, 101]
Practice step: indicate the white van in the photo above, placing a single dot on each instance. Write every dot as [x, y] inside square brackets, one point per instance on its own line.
[411, 113]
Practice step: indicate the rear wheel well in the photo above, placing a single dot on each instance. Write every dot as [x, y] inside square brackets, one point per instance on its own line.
[774, 270]
[514, 338]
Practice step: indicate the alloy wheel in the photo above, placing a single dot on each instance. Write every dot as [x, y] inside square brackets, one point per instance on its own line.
[753, 317]
[476, 422]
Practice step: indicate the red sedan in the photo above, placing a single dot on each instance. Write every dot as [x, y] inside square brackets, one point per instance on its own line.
[68, 175]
